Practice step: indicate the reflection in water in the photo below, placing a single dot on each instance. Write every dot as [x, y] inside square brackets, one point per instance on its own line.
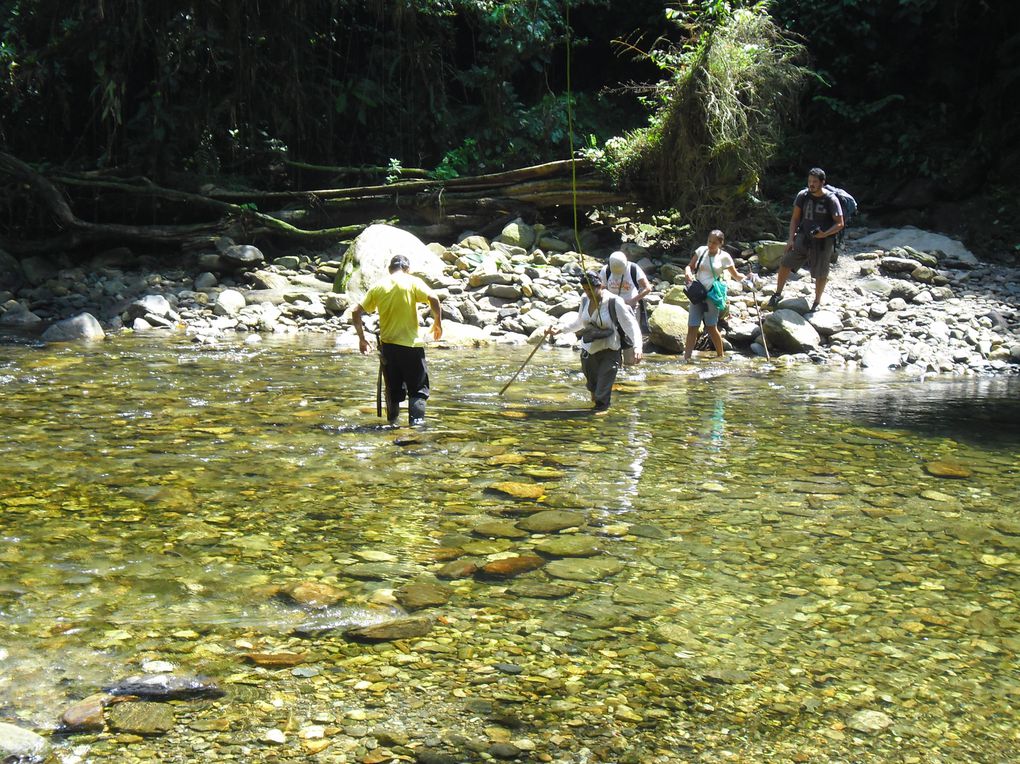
[794, 547]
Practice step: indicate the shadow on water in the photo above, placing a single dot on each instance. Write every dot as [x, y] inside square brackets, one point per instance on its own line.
[971, 410]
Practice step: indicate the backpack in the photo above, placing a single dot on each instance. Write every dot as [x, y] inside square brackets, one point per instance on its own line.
[626, 346]
[849, 205]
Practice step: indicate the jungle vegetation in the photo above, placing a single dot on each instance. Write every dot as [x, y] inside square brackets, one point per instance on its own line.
[698, 106]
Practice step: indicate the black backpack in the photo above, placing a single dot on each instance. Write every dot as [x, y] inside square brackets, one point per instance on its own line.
[849, 205]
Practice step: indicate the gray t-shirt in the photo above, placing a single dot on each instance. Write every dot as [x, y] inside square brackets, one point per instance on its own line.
[817, 210]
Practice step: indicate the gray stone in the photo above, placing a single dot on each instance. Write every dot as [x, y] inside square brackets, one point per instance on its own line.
[368, 258]
[269, 280]
[242, 256]
[229, 303]
[11, 275]
[518, 234]
[551, 521]
[81, 327]
[422, 594]
[388, 631]
[584, 569]
[142, 718]
[38, 270]
[166, 687]
[952, 253]
[571, 545]
[770, 253]
[18, 315]
[826, 322]
[205, 280]
[875, 285]
[788, 331]
[869, 722]
[19, 744]
[880, 354]
[667, 327]
[156, 304]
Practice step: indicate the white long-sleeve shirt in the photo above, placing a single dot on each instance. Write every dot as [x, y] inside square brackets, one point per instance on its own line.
[602, 318]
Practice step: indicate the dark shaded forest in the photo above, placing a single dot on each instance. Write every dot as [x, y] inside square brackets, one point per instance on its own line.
[179, 114]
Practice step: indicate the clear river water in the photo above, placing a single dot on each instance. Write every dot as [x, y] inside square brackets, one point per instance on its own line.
[769, 564]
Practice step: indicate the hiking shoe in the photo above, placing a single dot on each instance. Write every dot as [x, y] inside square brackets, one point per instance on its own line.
[773, 301]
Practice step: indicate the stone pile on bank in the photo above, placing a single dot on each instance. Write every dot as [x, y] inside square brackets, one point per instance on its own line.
[920, 307]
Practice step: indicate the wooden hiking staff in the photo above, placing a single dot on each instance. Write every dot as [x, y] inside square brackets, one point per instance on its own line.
[530, 355]
[757, 307]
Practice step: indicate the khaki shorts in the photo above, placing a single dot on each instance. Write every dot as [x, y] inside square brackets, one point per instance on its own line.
[816, 254]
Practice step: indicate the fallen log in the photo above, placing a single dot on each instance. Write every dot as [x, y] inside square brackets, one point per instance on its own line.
[325, 216]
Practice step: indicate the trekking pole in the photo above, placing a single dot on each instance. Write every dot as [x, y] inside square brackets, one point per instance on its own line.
[757, 307]
[532, 353]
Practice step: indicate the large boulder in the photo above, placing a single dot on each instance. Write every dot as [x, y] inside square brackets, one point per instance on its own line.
[81, 327]
[954, 254]
[770, 254]
[38, 270]
[17, 314]
[667, 327]
[19, 744]
[880, 354]
[229, 303]
[242, 257]
[788, 331]
[518, 234]
[11, 275]
[368, 259]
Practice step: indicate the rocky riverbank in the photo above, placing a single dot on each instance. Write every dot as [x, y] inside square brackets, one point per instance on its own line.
[897, 298]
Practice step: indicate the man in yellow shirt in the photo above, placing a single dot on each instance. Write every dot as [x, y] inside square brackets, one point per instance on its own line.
[403, 354]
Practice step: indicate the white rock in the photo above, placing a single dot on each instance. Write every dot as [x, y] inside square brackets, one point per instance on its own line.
[869, 722]
[80, 327]
[229, 303]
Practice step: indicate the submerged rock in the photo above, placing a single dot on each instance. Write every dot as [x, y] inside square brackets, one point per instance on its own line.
[87, 714]
[21, 745]
[509, 567]
[143, 718]
[167, 687]
[387, 631]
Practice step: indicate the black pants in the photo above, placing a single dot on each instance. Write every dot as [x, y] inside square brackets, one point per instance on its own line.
[407, 377]
[599, 374]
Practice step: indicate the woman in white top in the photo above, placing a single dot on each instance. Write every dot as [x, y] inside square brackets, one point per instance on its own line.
[707, 265]
[601, 318]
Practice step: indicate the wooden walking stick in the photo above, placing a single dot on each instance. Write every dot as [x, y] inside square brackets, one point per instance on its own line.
[532, 353]
[757, 307]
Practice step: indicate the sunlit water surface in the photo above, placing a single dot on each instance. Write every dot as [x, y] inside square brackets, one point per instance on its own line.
[788, 557]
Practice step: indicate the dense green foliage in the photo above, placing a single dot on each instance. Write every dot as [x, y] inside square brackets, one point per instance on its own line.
[903, 89]
[224, 86]
[717, 117]
[915, 87]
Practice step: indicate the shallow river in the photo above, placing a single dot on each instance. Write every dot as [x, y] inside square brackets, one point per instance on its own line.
[790, 565]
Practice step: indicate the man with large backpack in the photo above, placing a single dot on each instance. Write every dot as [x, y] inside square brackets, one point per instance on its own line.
[816, 220]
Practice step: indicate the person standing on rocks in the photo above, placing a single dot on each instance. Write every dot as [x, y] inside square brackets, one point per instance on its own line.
[708, 263]
[817, 218]
[402, 352]
[629, 282]
[600, 319]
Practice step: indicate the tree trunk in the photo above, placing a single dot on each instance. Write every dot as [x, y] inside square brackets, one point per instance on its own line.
[303, 217]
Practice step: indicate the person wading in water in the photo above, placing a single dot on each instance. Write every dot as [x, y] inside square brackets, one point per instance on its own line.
[402, 352]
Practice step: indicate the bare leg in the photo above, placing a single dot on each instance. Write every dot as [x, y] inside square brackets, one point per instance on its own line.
[692, 338]
[819, 288]
[713, 333]
[784, 274]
